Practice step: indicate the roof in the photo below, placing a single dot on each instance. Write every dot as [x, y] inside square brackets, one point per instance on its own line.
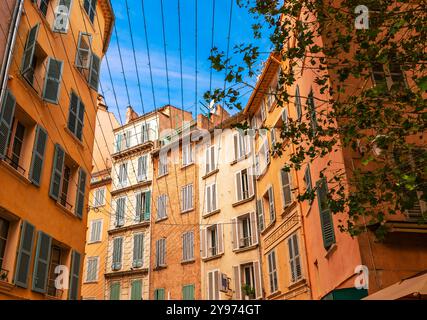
[107, 8]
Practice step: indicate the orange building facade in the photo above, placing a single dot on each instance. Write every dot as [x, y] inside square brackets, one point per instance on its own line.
[47, 135]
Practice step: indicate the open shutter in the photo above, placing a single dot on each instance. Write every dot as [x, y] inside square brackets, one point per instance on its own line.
[83, 50]
[74, 276]
[260, 213]
[236, 146]
[38, 156]
[239, 193]
[210, 286]
[24, 255]
[136, 290]
[271, 204]
[203, 243]
[62, 14]
[298, 103]
[208, 160]
[95, 64]
[325, 214]
[73, 110]
[80, 200]
[250, 178]
[138, 207]
[212, 160]
[80, 120]
[7, 112]
[237, 282]
[30, 46]
[147, 211]
[216, 284]
[53, 80]
[254, 229]
[57, 169]
[220, 239]
[291, 258]
[235, 233]
[258, 280]
[286, 187]
[41, 264]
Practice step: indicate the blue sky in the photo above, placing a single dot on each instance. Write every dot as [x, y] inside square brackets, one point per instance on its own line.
[240, 32]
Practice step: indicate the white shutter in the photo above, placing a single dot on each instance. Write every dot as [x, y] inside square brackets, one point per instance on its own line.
[254, 229]
[271, 204]
[239, 191]
[237, 282]
[235, 233]
[203, 242]
[220, 238]
[258, 279]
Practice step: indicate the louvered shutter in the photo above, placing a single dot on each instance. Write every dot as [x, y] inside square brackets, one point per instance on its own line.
[147, 210]
[41, 264]
[208, 161]
[236, 147]
[260, 213]
[115, 291]
[286, 187]
[239, 193]
[24, 255]
[136, 290]
[220, 238]
[210, 286]
[80, 199]
[258, 280]
[80, 120]
[237, 282]
[326, 222]
[298, 103]
[250, 178]
[254, 229]
[216, 284]
[30, 47]
[138, 207]
[203, 243]
[7, 112]
[138, 248]
[307, 178]
[74, 276]
[95, 64]
[235, 233]
[117, 253]
[53, 80]
[37, 158]
[291, 258]
[214, 202]
[271, 204]
[57, 169]
[212, 161]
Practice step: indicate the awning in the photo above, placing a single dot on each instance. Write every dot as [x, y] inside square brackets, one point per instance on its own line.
[414, 287]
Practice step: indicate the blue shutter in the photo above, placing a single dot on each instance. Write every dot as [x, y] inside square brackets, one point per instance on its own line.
[326, 222]
[72, 114]
[52, 81]
[80, 200]
[115, 291]
[57, 169]
[24, 255]
[74, 276]
[30, 47]
[37, 159]
[41, 264]
[7, 112]
[138, 250]
[95, 64]
[147, 211]
[80, 120]
[136, 290]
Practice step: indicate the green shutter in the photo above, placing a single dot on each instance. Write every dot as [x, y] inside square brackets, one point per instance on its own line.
[188, 292]
[136, 290]
[138, 250]
[325, 214]
[74, 276]
[24, 255]
[95, 64]
[37, 159]
[159, 294]
[147, 211]
[30, 46]
[52, 82]
[80, 120]
[80, 199]
[41, 264]
[72, 114]
[115, 291]
[7, 112]
[57, 169]
[117, 253]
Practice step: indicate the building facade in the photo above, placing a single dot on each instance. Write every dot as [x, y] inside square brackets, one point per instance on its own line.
[47, 135]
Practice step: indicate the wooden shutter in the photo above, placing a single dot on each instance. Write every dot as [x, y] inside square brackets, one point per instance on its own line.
[260, 213]
[142, 168]
[115, 291]
[138, 250]
[83, 51]
[220, 239]
[250, 177]
[41, 263]
[147, 210]
[312, 110]
[37, 157]
[80, 199]
[30, 47]
[203, 242]
[24, 255]
[62, 17]
[237, 282]
[7, 112]
[117, 253]
[95, 64]
[57, 169]
[120, 212]
[307, 178]
[208, 161]
[159, 294]
[216, 284]
[258, 280]
[239, 193]
[188, 292]
[271, 204]
[138, 207]
[294, 257]
[235, 233]
[74, 275]
[208, 199]
[53, 80]
[210, 285]
[136, 290]
[80, 120]
[212, 161]
[326, 222]
[286, 187]
[285, 118]
[298, 103]
[254, 229]
[236, 146]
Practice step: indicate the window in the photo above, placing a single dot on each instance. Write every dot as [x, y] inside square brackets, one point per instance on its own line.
[263, 159]
[159, 294]
[187, 198]
[271, 98]
[285, 178]
[298, 103]
[272, 271]
[52, 82]
[307, 180]
[244, 231]
[90, 8]
[211, 202]
[187, 154]
[188, 292]
[136, 289]
[269, 200]
[210, 159]
[160, 253]
[388, 76]
[262, 110]
[142, 168]
[213, 285]
[55, 261]
[163, 164]
[247, 281]
[123, 175]
[138, 250]
[241, 145]
[244, 185]
[260, 213]
[99, 197]
[312, 110]
[76, 116]
[92, 269]
[120, 211]
[43, 5]
[95, 230]
[143, 206]
[24, 254]
[294, 258]
[212, 241]
[145, 130]
[325, 214]
[117, 253]
[162, 202]
[188, 246]
[123, 141]
[62, 16]
[4, 231]
[115, 291]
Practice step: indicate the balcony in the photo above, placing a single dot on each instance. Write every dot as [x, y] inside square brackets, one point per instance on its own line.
[245, 242]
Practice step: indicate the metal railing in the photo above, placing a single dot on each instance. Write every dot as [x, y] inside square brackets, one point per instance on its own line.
[4, 275]
[14, 165]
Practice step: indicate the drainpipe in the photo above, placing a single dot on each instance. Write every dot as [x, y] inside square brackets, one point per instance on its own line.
[11, 39]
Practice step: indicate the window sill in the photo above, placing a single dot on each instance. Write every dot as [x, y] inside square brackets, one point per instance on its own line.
[158, 268]
[244, 249]
[91, 282]
[161, 219]
[267, 228]
[12, 170]
[330, 251]
[163, 175]
[243, 201]
[187, 165]
[187, 211]
[188, 261]
[297, 283]
[79, 142]
[274, 294]
[6, 286]
[67, 211]
[217, 256]
[94, 242]
[207, 175]
[288, 209]
[207, 215]
[247, 156]
[33, 91]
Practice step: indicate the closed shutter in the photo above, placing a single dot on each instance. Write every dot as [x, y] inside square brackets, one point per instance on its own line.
[210, 285]
[298, 103]
[115, 291]
[271, 204]
[37, 158]
[95, 64]
[163, 251]
[216, 284]
[208, 166]
[117, 253]
[260, 213]
[258, 280]
[136, 290]
[239, 193]
[80, 199]
[254, 229]
[7, 112]
[30, 47]
[57, 169]
[138, 209]
[147, 210]
[53, 80]
[142, 168]
[62, 14]
[212, 160]
[120, 212]
[203, 243]
[41, 264]
[294, 258]
[144, 133]
[236, 146]
[159, 294]
[220, 238]
[74, 276]
[138, 250]
[24, 255]
[326, 222]
[188, 292]
[286, 187]
[235, 233]
[237, 282]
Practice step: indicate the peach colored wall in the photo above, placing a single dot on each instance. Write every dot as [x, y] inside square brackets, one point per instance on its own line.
[6, 14]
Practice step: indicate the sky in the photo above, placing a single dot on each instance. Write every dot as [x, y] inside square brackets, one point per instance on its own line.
[240, 33]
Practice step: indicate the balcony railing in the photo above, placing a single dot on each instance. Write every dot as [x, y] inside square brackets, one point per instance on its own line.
[213, 251]
[14, 165]
[4, 274]
[245, 242]
[52, 291]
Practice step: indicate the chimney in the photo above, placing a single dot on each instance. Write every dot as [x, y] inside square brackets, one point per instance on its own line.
[101, 102]
[130, 114]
